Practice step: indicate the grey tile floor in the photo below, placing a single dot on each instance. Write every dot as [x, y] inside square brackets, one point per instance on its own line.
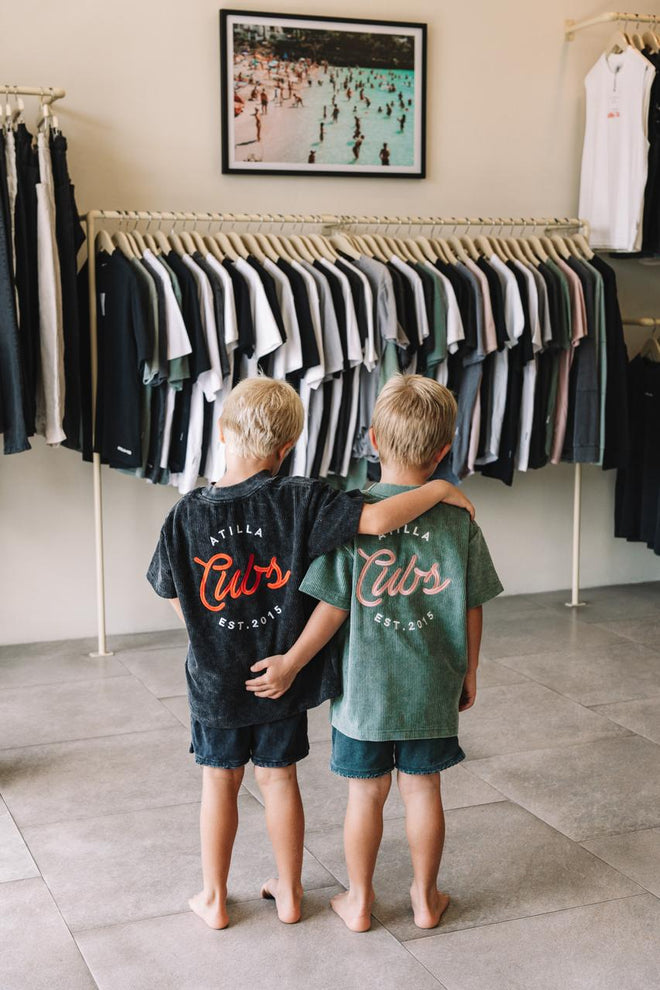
[553, 824]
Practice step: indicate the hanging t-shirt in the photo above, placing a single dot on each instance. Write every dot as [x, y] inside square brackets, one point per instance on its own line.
[123, 348]
[615, 153]
[234, 557]
[405, 655]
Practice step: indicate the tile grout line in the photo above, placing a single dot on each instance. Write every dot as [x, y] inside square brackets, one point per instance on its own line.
[175, 914]
[66, 925]
[525, 917]
[627, 734]
[176, 724]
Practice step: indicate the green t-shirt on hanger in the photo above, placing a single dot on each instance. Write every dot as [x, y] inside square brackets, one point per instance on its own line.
[408, 592]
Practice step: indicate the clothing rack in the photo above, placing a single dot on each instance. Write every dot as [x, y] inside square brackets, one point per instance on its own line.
[48, 94]
[641, 321]
[610, 17]
[328, 222]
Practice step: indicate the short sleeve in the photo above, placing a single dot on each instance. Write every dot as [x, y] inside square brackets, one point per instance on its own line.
[159, 574]
[482, 582]
[333, 518]
[330, 578]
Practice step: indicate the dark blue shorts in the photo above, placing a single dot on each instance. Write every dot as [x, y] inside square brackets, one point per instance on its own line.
[273, 744]
[362, 759]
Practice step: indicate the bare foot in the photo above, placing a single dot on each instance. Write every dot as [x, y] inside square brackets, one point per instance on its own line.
[355, 916]
[428, 911]
[287, 902]
[210, 908]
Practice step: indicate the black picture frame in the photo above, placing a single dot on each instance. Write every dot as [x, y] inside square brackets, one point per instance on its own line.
[373, 115]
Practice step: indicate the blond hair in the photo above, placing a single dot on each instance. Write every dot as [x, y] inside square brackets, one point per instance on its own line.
[414, 417]
[260, 416]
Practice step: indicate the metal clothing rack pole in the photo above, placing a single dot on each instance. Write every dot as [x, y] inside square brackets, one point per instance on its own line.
[327, 220]
[610, 17]
[641, 321]
[47, 93]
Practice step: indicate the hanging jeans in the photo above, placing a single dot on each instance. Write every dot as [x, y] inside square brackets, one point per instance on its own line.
[11, 382]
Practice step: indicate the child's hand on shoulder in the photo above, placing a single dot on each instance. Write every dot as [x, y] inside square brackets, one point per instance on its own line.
[279, 674]
[469, 692]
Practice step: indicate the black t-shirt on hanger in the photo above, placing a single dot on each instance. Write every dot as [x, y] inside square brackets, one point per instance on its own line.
[270, 289]
[310, 352]
[124, 348]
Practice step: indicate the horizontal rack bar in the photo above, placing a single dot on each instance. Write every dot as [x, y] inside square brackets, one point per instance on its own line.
[48, 94]
[336, 220]
[608, 18]
[641, 321]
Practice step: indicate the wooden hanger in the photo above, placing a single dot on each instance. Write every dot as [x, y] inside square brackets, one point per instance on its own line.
[651, 348]
[504, 245]
[376, 248]
[583, 244]
[139, 242]
[651, 42]
[104, 242]
[470, 247]
[551, 249]
[122, 242]
[458, 248]
[176, 244]
[162, 242]
[253, 247]
[225, 245]
[237, 242]
[187, 242]
[426, 249]
[565, 246]
[342, 243]
[557, 243]
[491, 246]
[637, 41]
[303, 251]
[415, 250]
[282, 247]
[400, 248]
[537, 248]
[198, 241]
[619, 42]
[443, 245]
[266, 247]
[324, 247]
[526, 249]
[516, 251]
[212, 247]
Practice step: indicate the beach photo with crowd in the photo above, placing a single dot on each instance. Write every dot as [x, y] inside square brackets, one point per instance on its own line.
[325, 98]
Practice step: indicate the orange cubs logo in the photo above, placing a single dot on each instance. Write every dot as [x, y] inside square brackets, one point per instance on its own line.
[230, 580]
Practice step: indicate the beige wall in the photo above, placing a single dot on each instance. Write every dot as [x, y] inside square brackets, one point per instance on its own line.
[505, 107]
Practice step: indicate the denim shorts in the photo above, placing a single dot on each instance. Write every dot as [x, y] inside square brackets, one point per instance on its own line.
[362, 759]
[273, 744]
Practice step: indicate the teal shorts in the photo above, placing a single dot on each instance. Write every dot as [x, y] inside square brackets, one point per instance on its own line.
[360, 758]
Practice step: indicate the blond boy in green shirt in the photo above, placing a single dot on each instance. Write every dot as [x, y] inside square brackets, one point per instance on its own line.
[409, 661]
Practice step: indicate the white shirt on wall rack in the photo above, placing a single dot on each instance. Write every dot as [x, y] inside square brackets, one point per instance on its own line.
[615, 152]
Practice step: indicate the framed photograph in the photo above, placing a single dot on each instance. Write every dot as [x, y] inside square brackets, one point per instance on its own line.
[322, 95]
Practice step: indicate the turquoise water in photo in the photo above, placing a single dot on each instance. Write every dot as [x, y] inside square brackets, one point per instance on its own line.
[289, 132]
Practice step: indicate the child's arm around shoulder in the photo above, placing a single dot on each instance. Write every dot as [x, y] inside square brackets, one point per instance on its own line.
[397, 510]
[280, 670]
